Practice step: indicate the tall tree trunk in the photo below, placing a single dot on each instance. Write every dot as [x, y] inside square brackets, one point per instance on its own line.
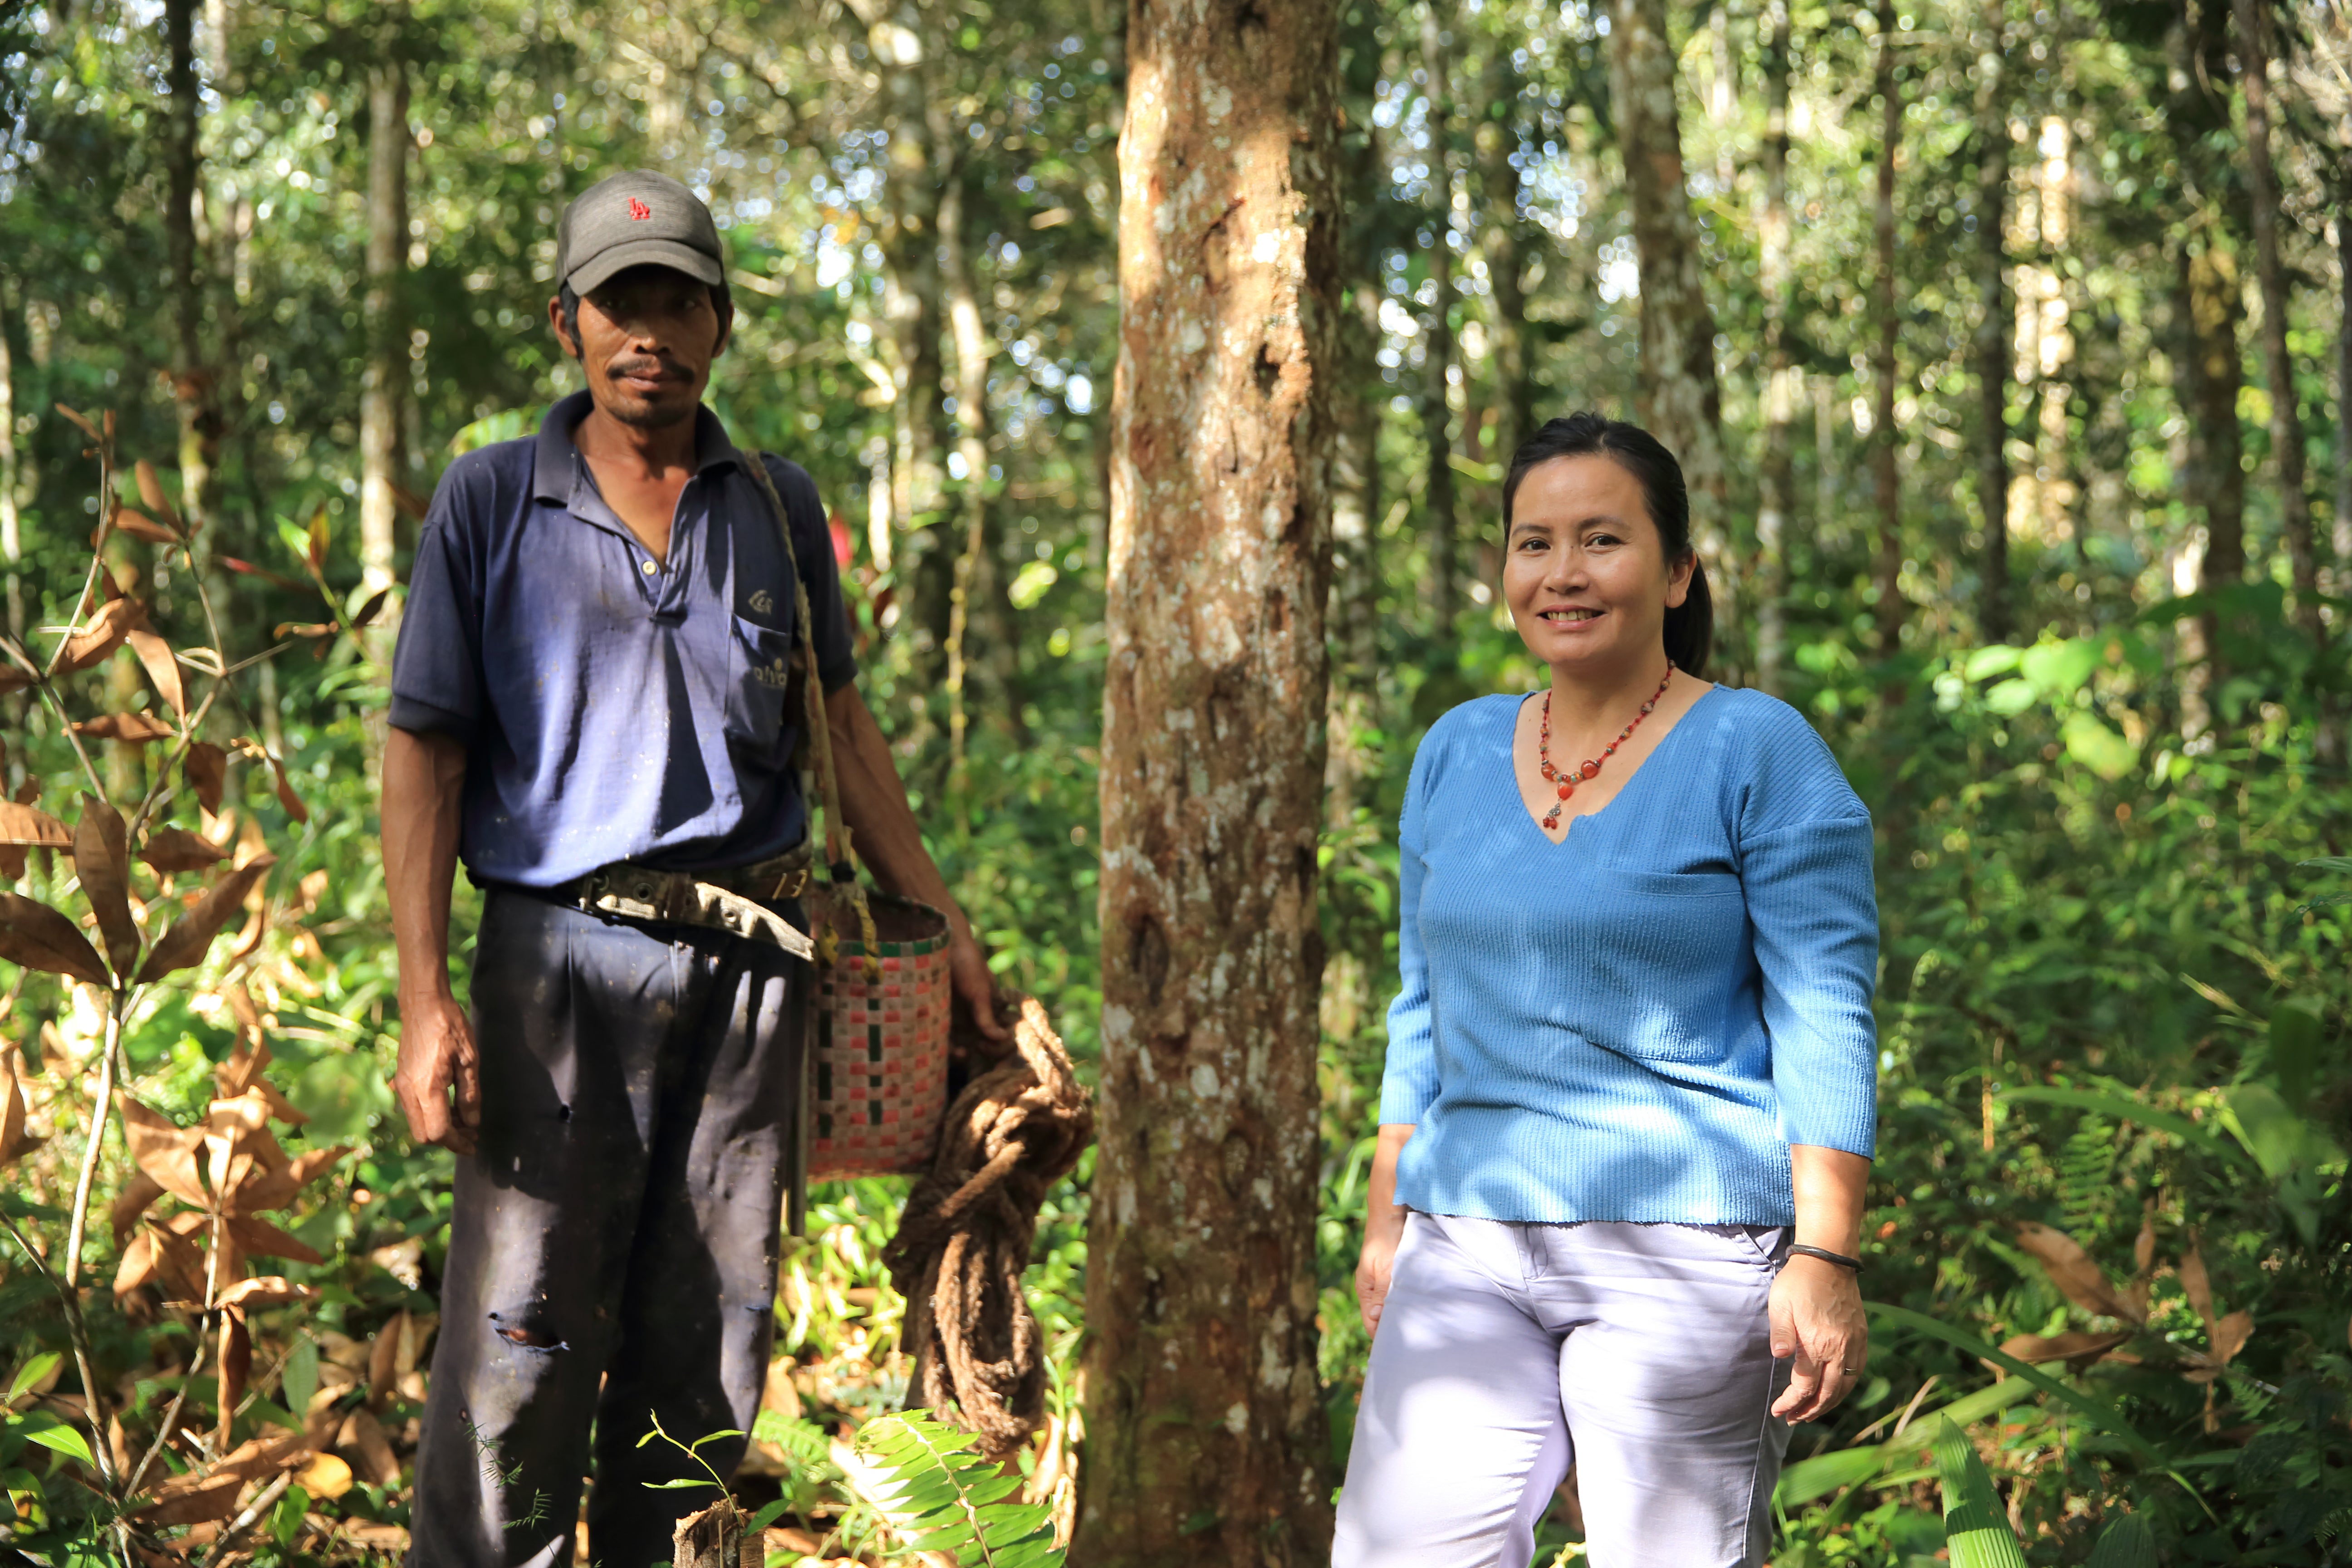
[1678, 398]
[2278, 361]
[1205, 1431]
[2214, 484]
[1775, 476]
[12, 540]
[2342, 533]
[1437, 363]
[1828, 529]
[1886, 480]
[1996, 326]
[386, 374]
[1507, 248]
[912, 305]
[974, 566]
[193, 387]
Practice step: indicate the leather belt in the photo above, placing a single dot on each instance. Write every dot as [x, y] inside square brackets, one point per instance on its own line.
[735, 900]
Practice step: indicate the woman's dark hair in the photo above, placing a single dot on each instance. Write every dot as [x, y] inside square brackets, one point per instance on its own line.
[1690, 626]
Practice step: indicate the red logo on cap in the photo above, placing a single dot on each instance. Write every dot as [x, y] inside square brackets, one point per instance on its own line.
[638, 210]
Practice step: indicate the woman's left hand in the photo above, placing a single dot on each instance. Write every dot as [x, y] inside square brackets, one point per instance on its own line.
[1817, 1317]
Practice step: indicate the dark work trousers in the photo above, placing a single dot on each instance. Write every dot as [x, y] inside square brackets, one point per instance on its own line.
[613, 1253]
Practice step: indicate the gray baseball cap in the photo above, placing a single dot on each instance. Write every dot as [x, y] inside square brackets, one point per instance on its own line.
[635, 219]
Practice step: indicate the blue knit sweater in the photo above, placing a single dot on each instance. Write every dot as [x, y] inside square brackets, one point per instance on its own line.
[1636, 1023]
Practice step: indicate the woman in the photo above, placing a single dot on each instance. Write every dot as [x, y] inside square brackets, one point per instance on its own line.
[1630, 1096]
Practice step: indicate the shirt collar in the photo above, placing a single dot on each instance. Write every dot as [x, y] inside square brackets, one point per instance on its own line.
[555, 460]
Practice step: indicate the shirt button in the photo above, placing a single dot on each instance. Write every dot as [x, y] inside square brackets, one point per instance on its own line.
[649, 568]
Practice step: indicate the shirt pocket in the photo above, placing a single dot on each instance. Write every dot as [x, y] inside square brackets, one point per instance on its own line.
[762, 674]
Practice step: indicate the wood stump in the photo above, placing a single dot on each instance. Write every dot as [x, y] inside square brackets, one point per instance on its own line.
[716, 1538]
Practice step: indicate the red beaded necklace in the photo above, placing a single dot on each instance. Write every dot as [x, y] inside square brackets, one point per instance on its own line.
[1567, 782]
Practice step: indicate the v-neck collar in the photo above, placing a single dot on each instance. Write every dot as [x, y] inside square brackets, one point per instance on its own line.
[1510, 772]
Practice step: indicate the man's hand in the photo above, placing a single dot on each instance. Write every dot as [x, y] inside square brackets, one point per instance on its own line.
[1375, 1265]
[436, 1056]
[1817, 1316]
[968, 973]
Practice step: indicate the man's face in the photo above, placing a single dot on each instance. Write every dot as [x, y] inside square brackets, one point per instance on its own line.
[647, 336]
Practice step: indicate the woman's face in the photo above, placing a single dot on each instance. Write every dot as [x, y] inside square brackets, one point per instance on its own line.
[1584, 570]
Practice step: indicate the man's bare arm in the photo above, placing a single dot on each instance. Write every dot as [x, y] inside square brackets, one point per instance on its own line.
[424, 791]
[885, 834]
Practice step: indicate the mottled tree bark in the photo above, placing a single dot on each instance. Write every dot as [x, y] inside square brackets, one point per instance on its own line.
[384, 375]
[12, 541]
[1439, 524]
[1678, 400]
[1886, 479]
[1775, 474]
[972, 597]
[1505, 246]
[2342, 533]
[1996, 328]
[1205, 1431]
[192, 389]
[911, 303]
[2278, 361]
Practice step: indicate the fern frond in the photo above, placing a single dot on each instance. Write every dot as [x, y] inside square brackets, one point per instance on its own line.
[935, 1493]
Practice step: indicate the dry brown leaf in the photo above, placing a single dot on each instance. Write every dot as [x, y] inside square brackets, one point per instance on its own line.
[175, 1257]
[233, 1366]
[2077, 1347]
[37, 937]
[2196, 1286]
[177, 849]
[260, 1294]
[138, 1195]
[80, 421]
[138, 527]
[137, 1265]
[130, 729]
[237, 1140]
[164, 1150]
[362, 1437]
[151, 492]
[384, 1360]
[2229, 1337]
[191, 936]
[102, 862]
[324, 1476]
[201, 1500]
[205, 768]
[2078, 1277]
[279, 1187]
[23, 825]
[12, 1108]
[162, 668]
[264, 1239]
[286, 795]
[115, 620]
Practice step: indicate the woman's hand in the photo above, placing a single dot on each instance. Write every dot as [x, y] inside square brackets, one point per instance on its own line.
[1373, 1266]
[1816, 1313]
[1383, 1226]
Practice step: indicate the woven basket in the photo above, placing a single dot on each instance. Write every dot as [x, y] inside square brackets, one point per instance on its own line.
[879, 1048]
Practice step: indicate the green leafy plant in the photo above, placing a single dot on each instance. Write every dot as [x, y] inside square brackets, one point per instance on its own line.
[1975, 1528]
[938, 1495]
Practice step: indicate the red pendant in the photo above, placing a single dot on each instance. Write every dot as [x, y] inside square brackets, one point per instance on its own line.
[1590, 769]
[1566, 790]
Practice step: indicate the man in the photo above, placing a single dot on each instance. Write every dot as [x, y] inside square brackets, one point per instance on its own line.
[590, 694]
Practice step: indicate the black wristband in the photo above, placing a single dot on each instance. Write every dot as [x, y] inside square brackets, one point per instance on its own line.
[1801, 1249]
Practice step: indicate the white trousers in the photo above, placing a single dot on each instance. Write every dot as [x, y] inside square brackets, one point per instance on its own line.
[1640, 1352]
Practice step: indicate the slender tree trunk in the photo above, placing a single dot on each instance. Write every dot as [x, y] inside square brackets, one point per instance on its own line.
[1886, 481]
[385, 376]
[12, 540]
[1437, 363]
[1678, 398]
[1996, 326]
[2278, 361]
[2342, 533]
[973, 584]
[1776, 477]
[1506, 263]
[1206, 1441]
[912, 306]
[193, 387]
[1827, 529]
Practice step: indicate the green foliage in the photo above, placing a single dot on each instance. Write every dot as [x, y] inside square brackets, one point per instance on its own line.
[939, 1496]
[1975, 1530]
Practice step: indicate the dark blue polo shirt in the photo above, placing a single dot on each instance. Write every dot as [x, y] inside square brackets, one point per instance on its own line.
[615, 706]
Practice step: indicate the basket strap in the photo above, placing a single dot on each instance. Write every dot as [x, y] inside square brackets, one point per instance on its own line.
[841, 854]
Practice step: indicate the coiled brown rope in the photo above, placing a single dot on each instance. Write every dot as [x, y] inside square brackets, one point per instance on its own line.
[965, 1238]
